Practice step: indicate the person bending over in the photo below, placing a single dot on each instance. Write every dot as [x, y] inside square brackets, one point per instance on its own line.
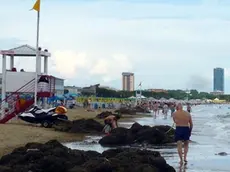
[184, 125]
[111, 121]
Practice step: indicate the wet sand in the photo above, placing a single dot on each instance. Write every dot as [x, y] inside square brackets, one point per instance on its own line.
[17, 133]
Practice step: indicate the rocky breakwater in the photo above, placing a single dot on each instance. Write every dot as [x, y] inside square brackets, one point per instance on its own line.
[138, 134]
[131, 111]
[105, 114]
[79, 126]
[54, 157]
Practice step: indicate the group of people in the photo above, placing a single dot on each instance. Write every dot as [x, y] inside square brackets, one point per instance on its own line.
[181, 118]
[165, 108]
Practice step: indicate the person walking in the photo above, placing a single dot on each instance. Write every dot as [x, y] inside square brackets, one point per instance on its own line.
[184, 126]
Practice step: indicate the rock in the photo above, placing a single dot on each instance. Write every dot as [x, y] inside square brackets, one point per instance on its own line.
[132, 111]
[222, 154]
[79, 126]
[140, 109]
[5, 169]
[156, 135]
[103, 115]
[53, 156]
[86, 126]
[124, 110]
[135, 127]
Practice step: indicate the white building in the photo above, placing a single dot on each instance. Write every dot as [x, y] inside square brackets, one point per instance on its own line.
[59, 86]
[14, 80]
[28, 76]
[14, 83]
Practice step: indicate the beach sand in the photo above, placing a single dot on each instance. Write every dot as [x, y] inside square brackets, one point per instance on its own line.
[17, 133]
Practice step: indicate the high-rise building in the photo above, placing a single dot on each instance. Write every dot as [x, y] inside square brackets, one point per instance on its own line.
[127, 81]
[218, 79]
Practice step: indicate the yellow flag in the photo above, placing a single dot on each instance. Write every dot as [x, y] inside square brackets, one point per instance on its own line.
[36, 6]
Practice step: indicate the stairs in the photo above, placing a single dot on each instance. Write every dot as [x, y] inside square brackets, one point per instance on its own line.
[13, 104]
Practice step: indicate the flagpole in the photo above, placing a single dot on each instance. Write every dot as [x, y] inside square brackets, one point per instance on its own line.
[37, 59]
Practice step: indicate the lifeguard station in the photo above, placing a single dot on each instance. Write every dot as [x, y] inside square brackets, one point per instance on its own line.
[16, 84]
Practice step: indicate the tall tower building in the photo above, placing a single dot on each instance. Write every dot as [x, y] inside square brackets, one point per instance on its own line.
[218, 79]
[128, 81]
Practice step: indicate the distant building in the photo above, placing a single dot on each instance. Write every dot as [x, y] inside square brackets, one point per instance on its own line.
[218, 80]
[216, 93]
[128, 81]
[108, 88]
[73, 89]
[90, 91]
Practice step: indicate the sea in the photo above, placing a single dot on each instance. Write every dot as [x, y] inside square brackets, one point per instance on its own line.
[210, 136]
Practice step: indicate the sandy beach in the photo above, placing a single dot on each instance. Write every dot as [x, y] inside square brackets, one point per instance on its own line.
[17, 133]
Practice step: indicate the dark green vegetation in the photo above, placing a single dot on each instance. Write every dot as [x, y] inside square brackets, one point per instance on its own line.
[176, 94]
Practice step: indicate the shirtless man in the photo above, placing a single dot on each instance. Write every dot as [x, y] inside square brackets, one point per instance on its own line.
[184, 125]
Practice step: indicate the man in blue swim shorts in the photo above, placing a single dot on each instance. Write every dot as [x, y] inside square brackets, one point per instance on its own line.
[184, 125]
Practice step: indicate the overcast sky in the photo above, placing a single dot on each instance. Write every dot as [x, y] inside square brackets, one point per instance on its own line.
[166, 44]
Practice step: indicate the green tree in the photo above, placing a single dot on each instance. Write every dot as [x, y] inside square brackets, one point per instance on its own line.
[176, 94]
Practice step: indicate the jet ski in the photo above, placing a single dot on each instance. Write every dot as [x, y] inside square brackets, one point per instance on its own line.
[45, 117]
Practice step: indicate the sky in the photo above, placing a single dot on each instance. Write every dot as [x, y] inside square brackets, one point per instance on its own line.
[168, 44]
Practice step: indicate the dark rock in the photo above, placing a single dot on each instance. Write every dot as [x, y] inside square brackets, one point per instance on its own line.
[136, 127]
[98, 165]
[53, 156]
[86, 126]
[132, 111]
[156, 135]
[140, 109]
[222, 154]
[77, 169]
[124, 110]
[103, 115]
[79, 126]
[5, 169]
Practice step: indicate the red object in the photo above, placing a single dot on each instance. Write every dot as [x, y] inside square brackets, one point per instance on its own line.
[13, 100]
[16, 112]
[17, 105]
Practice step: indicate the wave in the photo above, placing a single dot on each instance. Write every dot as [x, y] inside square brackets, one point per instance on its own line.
[221, 116]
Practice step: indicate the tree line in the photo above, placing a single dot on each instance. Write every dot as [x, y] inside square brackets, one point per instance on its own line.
[176, 94]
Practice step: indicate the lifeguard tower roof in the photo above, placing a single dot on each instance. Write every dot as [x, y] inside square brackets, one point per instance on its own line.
[25, 50]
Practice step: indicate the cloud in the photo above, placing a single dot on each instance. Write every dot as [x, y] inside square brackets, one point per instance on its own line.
[111, 68]
[95, 41]
[200, 83]
[227, 72]
[69, 63]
